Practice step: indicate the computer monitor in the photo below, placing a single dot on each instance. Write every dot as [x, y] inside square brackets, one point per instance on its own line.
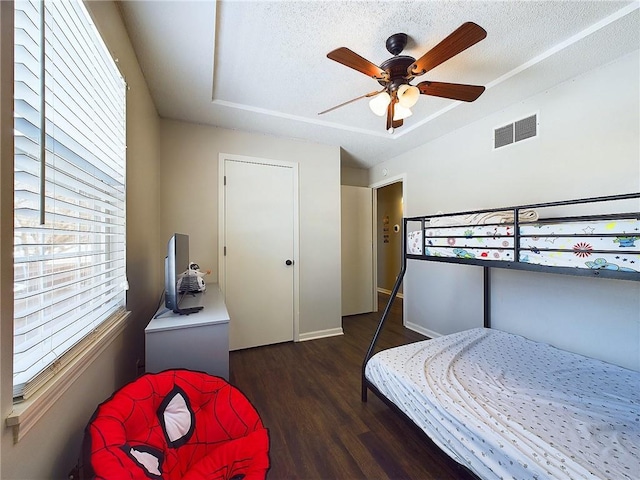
[175, 264]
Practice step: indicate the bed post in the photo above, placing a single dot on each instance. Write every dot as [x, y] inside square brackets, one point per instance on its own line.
[387, 309]
[487, 296]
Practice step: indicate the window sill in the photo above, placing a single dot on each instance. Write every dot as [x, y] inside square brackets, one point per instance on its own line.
[26, 414]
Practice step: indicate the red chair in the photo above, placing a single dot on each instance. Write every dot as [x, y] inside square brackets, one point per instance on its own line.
[177, 424]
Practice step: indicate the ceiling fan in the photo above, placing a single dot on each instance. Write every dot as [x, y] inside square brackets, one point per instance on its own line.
[395, 74]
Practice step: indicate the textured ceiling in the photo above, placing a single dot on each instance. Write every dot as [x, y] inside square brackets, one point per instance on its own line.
[261, 66]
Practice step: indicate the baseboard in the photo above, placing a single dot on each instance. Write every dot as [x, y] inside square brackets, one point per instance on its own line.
[384, 291]
[330, 332]
[421, 330]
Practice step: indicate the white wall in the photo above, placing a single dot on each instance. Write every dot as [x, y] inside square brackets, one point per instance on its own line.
[605, 312]
[190, 205]
[355, 177]
[588, 146]
[52, 447]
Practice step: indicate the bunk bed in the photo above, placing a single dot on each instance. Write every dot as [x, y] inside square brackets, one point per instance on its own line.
[501, 405]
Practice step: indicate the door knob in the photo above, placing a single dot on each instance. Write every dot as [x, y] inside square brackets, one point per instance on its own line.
[289, 262]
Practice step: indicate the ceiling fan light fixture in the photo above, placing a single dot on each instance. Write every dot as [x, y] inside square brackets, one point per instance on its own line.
[408, 95]
[395, 74]
[379, 103]
[400, 112]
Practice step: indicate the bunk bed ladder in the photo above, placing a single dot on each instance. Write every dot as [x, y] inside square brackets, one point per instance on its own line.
[387, 309]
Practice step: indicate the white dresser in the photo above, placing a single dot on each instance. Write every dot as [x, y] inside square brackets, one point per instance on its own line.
[199, 341]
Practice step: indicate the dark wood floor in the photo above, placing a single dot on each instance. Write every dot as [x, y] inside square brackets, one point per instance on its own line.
[308, 395]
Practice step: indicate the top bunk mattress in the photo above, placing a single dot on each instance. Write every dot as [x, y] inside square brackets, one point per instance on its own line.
[598, 244]
[508, 407]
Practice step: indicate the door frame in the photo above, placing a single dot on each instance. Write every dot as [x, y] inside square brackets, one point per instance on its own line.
[401, 178]
[222, 157]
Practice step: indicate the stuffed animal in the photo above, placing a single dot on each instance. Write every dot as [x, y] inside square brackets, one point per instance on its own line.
[192, 280]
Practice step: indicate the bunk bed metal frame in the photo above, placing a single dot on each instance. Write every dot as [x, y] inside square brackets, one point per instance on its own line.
[487, 265]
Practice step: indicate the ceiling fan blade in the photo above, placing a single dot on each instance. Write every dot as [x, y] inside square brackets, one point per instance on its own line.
[351, 59]
[454, 91]
[370, 94]
[463, 37]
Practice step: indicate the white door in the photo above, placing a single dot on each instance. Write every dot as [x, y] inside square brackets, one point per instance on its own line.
[358, 292]
[259, 246]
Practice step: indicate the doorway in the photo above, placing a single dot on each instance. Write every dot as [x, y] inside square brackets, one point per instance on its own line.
[389, 215]
[258, 249]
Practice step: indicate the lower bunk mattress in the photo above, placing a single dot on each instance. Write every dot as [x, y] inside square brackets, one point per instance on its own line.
[507, 407]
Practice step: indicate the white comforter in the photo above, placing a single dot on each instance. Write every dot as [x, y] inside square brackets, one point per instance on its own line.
[507, 407]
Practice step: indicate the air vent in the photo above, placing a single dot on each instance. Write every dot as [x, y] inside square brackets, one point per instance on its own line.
[515, 132]
[526, 128]
[503, 136]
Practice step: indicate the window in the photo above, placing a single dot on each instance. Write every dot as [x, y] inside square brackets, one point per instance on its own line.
[69, 217]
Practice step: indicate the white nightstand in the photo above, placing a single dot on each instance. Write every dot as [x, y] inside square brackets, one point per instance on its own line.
[199, 341]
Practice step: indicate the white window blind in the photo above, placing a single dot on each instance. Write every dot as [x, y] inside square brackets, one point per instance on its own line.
[69, 113]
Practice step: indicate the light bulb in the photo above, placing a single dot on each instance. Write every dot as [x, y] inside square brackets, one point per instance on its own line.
[379, 103]
[408, 95]
[400, 112]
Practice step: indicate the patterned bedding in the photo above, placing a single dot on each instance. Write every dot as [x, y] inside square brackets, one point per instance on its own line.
[508, 407]
[612, 244]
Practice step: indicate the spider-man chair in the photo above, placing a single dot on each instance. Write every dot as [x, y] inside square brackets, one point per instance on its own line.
[177, 424]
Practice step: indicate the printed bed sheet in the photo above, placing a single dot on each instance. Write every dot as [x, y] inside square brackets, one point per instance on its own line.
[508, 407]
[593, 244]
